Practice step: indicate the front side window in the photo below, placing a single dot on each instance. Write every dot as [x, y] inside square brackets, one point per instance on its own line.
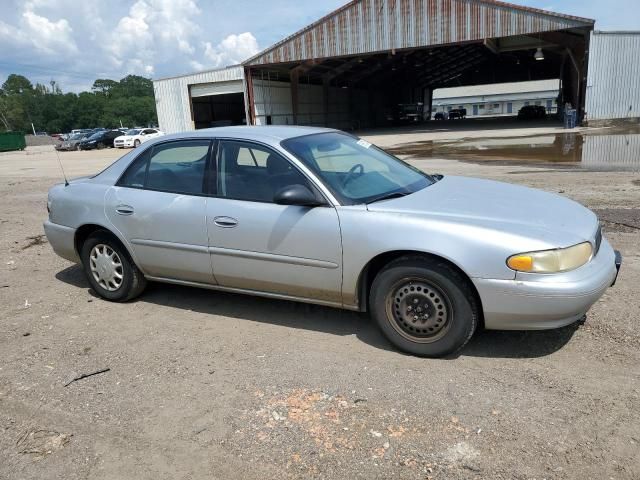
[252, 172]
[354, 170]
[177, 167]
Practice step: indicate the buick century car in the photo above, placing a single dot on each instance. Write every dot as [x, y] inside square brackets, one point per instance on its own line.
[317, 215]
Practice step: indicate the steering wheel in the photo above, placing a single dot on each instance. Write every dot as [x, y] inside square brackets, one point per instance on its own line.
[353, 173]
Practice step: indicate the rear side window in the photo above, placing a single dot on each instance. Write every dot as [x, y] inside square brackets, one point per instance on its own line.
[134, 175]
[177, 167]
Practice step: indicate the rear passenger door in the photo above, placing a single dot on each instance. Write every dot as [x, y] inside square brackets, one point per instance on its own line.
[159, 206]
[258, 245]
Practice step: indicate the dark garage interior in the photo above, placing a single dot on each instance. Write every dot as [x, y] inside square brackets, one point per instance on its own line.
[218, 110]
[502, 43]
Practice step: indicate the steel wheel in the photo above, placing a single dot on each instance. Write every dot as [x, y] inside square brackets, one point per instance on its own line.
[418, 310]
[106, 267]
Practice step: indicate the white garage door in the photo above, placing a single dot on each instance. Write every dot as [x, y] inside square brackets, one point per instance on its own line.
[218, 88]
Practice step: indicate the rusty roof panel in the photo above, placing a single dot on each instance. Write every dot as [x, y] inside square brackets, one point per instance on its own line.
[365, 26]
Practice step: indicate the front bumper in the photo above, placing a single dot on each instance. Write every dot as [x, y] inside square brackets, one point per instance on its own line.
[62, 240]
[539, 302]
[125, 144]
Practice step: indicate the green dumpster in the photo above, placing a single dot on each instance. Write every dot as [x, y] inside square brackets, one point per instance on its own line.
[10, 141]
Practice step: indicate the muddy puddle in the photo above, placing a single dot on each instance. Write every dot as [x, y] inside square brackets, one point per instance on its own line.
[607, 149]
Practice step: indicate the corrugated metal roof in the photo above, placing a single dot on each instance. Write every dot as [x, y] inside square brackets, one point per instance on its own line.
[613, 76]
[498, 89]
[364, 26]
[233, 72]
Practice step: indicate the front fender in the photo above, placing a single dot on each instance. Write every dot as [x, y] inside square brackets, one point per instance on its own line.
[479, 252]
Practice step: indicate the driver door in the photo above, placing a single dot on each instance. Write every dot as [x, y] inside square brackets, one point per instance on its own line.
[258, 245]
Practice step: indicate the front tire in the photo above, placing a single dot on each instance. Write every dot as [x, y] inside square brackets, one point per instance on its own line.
[424, 306]
[136, 143]
[109, 268]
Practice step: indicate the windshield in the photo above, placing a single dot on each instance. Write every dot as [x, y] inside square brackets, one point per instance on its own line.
[76, 136]
[354, 170]
[133, 131]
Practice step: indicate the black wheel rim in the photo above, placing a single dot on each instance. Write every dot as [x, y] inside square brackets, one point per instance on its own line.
[419, 310]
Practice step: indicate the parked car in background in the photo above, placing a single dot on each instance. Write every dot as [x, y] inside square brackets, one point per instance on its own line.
[82, 130]
[440, 116]
[72, 143]
[320, 216]
[406, 113]
[100, 139]
[136, 136]
[457, 113]
[532, 112]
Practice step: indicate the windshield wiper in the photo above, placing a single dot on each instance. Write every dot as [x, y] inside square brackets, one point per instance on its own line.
[388, 196]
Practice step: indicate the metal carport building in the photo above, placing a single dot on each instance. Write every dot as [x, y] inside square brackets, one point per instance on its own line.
[350, 67]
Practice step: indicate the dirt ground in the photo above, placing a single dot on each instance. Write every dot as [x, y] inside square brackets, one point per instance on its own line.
[212, 385]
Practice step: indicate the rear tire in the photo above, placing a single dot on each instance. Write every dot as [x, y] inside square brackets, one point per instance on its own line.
[109, 268]
[424, 306]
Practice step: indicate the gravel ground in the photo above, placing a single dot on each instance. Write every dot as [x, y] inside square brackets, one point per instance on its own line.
[212, 385]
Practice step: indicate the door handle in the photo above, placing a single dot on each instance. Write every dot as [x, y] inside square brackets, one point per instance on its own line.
[225, 222]
[124, 210]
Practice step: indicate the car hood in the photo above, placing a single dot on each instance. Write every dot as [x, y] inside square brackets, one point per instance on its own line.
[124, 137]
[553, 220]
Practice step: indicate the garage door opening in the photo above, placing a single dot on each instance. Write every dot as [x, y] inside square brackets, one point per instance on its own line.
[218, 110]
[396, 87]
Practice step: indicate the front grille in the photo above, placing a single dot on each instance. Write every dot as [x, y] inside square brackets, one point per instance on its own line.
[598, 238]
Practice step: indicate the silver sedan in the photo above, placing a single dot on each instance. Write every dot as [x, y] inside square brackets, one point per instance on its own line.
[320, 216]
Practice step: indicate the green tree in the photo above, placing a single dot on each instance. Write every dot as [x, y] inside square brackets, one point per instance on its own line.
[134, 86]
[104, 86]
[130, 101]
[16, 84]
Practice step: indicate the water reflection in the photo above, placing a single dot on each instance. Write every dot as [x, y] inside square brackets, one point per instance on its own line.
[612, 152]
[608, 150]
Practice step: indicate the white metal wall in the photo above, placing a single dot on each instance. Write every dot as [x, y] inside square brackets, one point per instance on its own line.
[273, 98]
[172, 96]
[613, 81]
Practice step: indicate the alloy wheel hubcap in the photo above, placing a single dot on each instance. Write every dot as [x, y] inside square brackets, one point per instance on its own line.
[419, 311]
[106, 267]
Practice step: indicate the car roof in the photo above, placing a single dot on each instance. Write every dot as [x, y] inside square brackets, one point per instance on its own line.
[266, 132]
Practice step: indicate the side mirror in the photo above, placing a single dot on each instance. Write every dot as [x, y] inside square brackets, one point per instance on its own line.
[296, 195]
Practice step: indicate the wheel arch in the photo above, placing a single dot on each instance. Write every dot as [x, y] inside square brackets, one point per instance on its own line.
[377, 263]
[84, 231]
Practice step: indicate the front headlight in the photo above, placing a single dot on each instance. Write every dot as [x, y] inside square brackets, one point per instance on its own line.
[552, 261]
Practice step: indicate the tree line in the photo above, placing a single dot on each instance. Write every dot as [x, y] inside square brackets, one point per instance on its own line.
[128, 102]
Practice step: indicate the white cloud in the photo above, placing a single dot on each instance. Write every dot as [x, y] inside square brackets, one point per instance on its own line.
[152, 29]
[195, 65]
[48, 36]
[233, 49]
[39, 33]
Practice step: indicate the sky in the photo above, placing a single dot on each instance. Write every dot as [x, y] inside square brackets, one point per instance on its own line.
[76, 41]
